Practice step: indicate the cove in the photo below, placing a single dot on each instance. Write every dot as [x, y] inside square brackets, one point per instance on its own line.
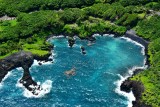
[95, 82]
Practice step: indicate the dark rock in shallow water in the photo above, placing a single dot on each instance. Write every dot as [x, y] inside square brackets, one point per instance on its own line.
[20, 59]
[83, 50]
[71, 42]
[91, 38]
[40, 63]
[126, 86]
[50, 59]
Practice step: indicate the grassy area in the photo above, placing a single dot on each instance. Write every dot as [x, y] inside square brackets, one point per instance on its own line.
[13, 22]
[8, 54]
[37, 52]
[141, 16]
[7, 23]
[36, 47]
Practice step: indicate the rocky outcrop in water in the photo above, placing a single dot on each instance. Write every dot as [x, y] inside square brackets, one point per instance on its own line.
[21, 59]
[83, 50]
[137, 89]
[71, 42]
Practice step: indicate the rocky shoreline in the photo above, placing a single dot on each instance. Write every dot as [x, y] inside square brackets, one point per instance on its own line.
[129, 85]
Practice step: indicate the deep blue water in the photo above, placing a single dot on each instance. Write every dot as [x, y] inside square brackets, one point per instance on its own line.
[94, 82]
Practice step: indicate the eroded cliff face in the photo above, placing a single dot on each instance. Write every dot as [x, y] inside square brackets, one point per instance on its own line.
[21, 59]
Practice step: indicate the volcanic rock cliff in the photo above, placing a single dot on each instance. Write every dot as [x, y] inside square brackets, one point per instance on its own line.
[21, 59]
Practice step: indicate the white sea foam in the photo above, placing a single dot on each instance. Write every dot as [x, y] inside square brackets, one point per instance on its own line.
[19, 68]
[76, 37]
[45, 89]
[6, 76]
[110, 35]
[136, 43]
[96, 34]
[54, 36]
[36, 62]
[1, 85]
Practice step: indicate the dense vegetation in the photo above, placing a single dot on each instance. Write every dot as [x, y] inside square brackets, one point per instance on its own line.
[37, 19]
[14, 7]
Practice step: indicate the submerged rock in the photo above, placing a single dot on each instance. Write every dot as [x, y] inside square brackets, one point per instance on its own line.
[83, 50]
[71, 72]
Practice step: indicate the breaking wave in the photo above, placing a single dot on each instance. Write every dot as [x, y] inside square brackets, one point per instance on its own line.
[45, 89]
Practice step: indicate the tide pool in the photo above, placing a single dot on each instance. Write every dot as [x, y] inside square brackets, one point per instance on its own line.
[95, 83]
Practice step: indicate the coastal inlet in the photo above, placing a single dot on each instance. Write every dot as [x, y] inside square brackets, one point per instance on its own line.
[77, 79]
